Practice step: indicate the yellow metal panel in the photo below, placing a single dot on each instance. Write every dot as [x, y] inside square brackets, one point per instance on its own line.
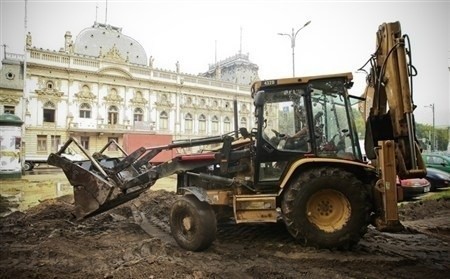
[255, 208]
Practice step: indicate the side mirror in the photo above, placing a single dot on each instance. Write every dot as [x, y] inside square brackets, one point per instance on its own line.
[258, 100]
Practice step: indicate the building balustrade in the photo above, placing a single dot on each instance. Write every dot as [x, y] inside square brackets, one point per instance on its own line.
[14, 56]
[79, 61]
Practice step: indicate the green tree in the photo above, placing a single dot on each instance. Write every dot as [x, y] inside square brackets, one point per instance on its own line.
[424, 133]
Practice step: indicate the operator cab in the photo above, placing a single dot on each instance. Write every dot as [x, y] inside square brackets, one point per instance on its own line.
[304, 118]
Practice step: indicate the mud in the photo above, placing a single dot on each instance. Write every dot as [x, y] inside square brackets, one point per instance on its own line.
[46, 242]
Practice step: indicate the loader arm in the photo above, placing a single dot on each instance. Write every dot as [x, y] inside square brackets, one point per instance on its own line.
[101, 183]
[390, 140]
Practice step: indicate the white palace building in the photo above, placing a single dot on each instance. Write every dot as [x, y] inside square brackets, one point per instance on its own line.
[102, 86]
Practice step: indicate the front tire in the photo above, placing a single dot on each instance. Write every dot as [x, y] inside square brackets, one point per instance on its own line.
[28, 166]
[193, 223]
[326, 208]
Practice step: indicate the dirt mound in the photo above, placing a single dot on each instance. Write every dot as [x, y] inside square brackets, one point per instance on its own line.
[422, 209]
[47, 242]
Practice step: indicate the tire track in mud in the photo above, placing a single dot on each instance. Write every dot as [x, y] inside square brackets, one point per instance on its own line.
[270, 249]
[409, 245]
[274, 240]
[152, 225]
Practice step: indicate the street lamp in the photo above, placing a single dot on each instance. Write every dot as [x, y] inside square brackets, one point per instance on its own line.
[292, 38]
[433, 142]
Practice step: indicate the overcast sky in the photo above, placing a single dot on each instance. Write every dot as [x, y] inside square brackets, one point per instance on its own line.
[340, 37]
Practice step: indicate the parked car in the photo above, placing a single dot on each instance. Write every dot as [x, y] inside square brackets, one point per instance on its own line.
[437, 178]
[413, 187]
[437, 161]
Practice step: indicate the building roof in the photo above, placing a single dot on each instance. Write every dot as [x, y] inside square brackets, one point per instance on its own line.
[101, 39]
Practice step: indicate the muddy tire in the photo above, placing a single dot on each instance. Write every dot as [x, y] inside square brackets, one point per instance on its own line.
[193, 223]
[27, 166]
[326, 208]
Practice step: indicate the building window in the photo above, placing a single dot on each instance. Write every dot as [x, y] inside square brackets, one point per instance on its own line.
[215, 125]
[56, 141]
[188, 122]
[10, 76]
[85, 142]
[113, 114]
[41, 143]
[227, 125]
[49, 112]
[85, 111]
[49, 84]
[9, 109]
[163, 121]
[244, 122]
[138, 114]
[113, 147]
[202, 123]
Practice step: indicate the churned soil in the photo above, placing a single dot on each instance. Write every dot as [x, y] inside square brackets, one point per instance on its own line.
[46, 242]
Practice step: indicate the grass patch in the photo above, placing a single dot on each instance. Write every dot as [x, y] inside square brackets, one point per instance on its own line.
[441, 194]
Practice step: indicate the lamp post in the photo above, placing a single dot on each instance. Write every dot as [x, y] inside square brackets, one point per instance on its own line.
[433, 139]
[292, 37]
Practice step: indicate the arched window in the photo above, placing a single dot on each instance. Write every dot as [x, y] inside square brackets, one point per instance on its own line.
[49, 112]
[163, 121]
[113, 115]
[227, 125]
[202, 123]
[188, 122]
[138, 114]
[50, 84]
[215, 124]
[85, 110]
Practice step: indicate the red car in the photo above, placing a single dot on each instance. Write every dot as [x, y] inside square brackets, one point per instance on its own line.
[413, 187]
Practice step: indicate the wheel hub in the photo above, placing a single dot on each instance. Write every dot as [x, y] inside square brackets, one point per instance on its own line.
[329, 210]
[187, 223]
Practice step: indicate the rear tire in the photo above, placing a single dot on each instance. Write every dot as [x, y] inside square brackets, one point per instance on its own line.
[193, 223]
[326, 208]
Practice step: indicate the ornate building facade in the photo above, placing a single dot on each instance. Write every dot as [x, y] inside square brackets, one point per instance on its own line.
[102, 86]
[237, 69]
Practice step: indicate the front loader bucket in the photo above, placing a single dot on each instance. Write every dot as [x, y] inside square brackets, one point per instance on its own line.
[93, 193]
[102, 183]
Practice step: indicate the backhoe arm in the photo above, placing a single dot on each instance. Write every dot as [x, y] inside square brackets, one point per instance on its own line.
[389, 102]
[390, 141]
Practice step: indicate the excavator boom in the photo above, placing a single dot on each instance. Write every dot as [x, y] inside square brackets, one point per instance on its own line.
[390, 141]
[389, 103]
